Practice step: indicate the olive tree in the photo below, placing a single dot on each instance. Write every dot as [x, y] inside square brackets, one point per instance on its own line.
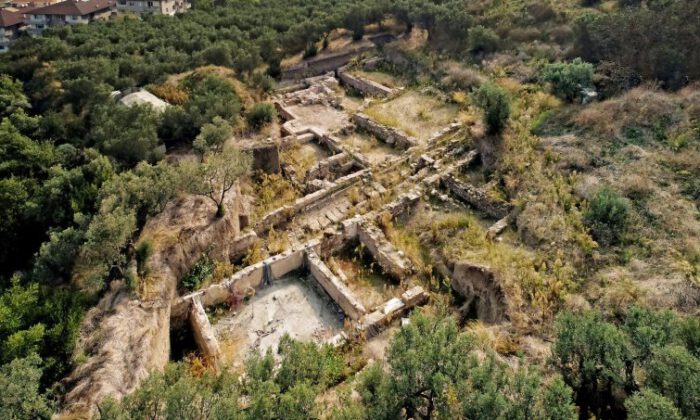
[219, 173]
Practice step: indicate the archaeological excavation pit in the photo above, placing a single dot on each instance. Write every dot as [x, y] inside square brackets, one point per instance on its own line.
[293, 305]
[298, 293]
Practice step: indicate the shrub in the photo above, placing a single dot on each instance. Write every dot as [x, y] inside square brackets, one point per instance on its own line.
[143, 252]
[198, 274]
[496, 105]
[568, 79]
[675, 374]
[608, 215]
[310, 51]
[260, 114]
[483, 40]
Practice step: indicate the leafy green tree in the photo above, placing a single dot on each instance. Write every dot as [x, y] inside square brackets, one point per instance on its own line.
[568, 79]
[648, 405]
[210, 97]
[648, 330]
[213, 136]
[674, 373]
[21, 397]
[433, 374]
[495, 103]
[219, 174]
[179, 393]
[127, 133]
[590, 353]
[689, 334]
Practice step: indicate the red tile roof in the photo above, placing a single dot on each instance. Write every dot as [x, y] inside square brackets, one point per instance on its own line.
[74, 8]
[9, 19]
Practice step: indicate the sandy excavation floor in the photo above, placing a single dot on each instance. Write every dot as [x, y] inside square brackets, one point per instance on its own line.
[287, 306]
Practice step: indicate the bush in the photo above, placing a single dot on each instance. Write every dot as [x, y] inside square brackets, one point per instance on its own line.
[260, 114]
[568, 79]
[198, 274]
[310, 51]
[483, 40]
[496, 105]
[608, 215]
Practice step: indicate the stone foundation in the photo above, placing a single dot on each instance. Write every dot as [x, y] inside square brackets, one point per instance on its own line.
[477, 197]
[363, 85]
[334, 287]
[387, 134]
[390, 259]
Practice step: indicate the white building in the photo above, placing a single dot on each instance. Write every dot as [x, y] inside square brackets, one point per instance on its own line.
[161, 7]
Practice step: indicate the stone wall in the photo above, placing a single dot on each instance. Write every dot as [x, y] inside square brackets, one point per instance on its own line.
[363, 85]
[286, 213]
[390, 259]
[377, 320]
[203, 333]
[322, 64]
[331, 167]
[334, 287]
[387, 134]
[477, 197]
[266, 157]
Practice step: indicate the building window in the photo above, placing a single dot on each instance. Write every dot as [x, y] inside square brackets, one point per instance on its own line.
[150, 4]
[122, 2]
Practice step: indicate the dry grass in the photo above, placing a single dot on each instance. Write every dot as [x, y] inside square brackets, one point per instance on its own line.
[415, 113]
[301, 157]
[277, 242]
[382, 78]
[273, 191]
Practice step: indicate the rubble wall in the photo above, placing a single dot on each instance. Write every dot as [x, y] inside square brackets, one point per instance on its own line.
[319, 65]
[363, 85]
[387, 134]
[477, 197]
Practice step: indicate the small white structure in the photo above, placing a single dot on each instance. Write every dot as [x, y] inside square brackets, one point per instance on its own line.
[142, 97]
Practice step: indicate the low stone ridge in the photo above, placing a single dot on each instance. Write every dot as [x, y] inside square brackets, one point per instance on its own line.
[334, 287]
[477, 197]
[390, 259]
[385, 133]
[374, 322]
[363, 85]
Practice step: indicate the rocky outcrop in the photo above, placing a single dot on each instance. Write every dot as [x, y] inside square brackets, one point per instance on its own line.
[478, 284]
[125, 337]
